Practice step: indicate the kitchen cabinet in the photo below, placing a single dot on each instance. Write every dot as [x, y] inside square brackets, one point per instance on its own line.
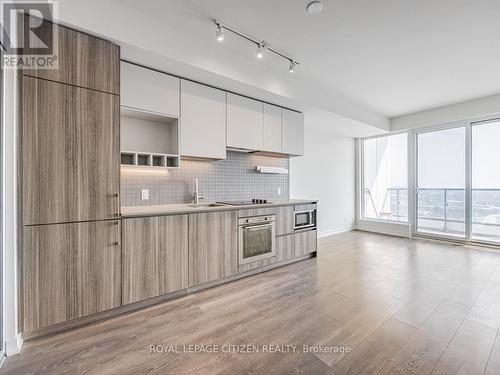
[245, 123]
[155, 256]
[305, 242]
[203, 121]
[284, 220]
[292, 133]
[70, 153]
[213, 246]
[83, 60]
[148, 90]
[272, 128]
[70, 271]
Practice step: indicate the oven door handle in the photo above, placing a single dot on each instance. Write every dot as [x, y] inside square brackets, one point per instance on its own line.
[253, 227]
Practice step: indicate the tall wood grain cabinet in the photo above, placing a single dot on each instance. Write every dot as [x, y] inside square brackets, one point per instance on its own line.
[70, 270]
[70, 263]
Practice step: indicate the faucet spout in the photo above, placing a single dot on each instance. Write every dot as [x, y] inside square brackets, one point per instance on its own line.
[196, 195]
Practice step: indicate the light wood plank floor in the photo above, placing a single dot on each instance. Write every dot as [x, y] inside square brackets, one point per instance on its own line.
[401, 306]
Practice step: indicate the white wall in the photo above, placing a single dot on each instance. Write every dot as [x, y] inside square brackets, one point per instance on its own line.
[461, 111]
[326, 172]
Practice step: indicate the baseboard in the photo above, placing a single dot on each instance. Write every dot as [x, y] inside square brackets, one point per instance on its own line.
[392, 229]
[335, 231]
[14, 345]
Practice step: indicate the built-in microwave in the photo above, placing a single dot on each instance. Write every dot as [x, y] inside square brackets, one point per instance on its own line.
[304, 219]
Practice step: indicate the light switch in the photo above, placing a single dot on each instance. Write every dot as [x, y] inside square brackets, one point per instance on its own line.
[144, 194]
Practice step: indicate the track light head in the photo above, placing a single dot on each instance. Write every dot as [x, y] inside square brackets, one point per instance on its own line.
[293, 66]
[261, 47]
[219, 33]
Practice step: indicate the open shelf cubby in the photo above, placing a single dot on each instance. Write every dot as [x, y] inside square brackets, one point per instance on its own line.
[149, 139]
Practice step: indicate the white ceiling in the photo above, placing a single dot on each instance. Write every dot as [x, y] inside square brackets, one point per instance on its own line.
[363, 59]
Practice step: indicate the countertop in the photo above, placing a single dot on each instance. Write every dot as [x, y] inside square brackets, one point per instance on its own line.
[184, 208]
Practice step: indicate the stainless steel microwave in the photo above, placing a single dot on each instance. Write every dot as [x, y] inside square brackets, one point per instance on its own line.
[304, 219]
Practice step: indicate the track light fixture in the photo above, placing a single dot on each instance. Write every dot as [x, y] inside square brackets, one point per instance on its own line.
[262, 46]
[219, 33]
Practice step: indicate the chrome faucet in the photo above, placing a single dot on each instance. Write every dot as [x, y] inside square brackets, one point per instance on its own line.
[196, 195]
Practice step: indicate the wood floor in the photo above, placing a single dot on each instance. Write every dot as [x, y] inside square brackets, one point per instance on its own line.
[400, 306]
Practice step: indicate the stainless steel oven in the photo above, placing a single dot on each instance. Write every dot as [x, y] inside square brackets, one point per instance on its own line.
[304, 219]
[256, 238]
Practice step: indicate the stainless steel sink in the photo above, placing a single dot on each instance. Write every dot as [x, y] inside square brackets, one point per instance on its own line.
[204, 205]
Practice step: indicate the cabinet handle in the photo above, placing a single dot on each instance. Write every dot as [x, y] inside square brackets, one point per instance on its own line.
[116, 195]
[117, 243]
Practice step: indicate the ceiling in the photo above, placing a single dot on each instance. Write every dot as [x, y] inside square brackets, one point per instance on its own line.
[366, 60]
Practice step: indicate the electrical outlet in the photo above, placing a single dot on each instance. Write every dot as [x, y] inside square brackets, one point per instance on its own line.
[144, 194]
[278, 191]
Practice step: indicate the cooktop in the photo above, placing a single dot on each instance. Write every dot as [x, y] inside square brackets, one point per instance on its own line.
[246, 203]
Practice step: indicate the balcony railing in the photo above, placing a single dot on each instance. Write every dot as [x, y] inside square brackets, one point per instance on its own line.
[442, 209]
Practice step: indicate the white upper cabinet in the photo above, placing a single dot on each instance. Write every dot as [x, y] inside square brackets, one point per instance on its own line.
[292, 133]
[203, 121]
[245, 122]
[149, 90]
[272, 128]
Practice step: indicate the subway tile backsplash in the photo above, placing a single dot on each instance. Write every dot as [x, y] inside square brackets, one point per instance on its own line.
[232, 179]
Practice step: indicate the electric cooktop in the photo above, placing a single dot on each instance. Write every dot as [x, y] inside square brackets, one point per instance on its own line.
[246, 203]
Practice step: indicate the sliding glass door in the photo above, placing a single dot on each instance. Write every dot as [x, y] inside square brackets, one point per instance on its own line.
[441, 183]
[458, 182]
[485, 170]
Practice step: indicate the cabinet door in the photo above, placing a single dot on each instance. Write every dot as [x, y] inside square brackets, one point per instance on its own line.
[155, 256]
[272, 128]
[213, 242]
[149, 90]
[71, 154]
[245, 122]
[70, 271]
[203, 121]
[293, 132]
[284, 220]
[83, 60]
[305, 242]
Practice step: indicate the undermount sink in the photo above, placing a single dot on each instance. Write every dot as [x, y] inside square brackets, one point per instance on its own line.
[202, 205]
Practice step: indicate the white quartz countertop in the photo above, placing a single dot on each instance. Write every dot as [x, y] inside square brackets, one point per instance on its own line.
[183, 208]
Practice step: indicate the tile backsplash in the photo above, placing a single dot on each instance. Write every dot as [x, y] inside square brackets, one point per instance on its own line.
[232, 179]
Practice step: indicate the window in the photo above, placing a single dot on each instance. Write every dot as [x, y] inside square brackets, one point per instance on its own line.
[385, 178]
[441, 182]
[485, 182]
